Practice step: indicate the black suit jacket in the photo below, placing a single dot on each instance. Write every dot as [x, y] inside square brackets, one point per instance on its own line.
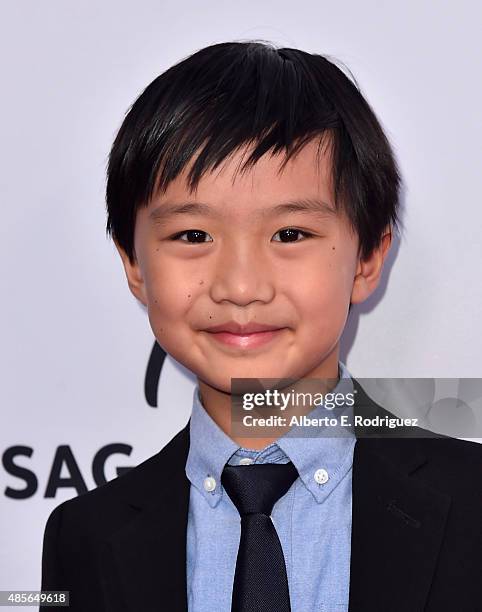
[416, 530]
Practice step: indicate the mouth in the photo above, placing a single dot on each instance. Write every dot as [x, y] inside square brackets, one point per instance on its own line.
[246, 341]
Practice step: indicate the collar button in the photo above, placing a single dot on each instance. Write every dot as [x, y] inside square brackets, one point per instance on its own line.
[246, 461]
[321, 476]
[209, 484]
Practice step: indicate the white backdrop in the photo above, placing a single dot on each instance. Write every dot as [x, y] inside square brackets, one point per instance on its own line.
[75, 343]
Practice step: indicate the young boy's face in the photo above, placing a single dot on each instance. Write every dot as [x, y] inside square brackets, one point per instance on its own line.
[245, 267]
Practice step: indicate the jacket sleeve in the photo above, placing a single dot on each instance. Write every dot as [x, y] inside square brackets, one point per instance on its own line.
[53, 578]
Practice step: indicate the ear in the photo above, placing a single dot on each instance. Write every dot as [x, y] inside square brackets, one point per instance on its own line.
[134, 276]
[369, 270]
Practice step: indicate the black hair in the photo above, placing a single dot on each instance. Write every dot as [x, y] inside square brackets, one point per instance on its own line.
[237, 93]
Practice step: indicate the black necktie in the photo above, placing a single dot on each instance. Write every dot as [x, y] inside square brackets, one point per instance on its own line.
[260, 581]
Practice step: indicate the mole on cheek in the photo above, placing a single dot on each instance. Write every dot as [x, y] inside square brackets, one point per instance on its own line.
[188, 295]
[332, 248]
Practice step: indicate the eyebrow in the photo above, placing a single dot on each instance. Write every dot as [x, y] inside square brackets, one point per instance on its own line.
[306, 205]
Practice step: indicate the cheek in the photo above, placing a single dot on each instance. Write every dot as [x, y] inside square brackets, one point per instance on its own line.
[170, 296]
[168, 310]
[322, 295]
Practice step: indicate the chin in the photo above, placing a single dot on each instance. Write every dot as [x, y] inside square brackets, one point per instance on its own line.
[256, 374]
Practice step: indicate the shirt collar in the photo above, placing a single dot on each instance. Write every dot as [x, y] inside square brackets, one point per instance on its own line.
[316, 452]
[209, 450]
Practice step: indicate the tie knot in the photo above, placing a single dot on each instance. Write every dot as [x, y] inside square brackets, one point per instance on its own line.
[255, 488]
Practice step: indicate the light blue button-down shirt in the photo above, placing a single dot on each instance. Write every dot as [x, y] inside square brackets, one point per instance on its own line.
[313, 519]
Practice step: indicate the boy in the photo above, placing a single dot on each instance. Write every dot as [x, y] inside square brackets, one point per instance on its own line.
[252, 196]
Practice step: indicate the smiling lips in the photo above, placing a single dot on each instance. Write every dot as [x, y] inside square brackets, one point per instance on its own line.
[244, 336]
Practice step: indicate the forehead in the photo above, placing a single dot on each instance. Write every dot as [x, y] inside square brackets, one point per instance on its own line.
[306, 176]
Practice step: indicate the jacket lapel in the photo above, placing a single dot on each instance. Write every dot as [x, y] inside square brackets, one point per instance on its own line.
[398, 523]
[148, 554]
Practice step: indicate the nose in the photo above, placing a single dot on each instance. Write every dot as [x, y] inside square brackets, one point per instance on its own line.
[242, 276]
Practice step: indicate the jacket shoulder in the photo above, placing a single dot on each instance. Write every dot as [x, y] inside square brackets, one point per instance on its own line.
[456, 461]
[101, 510]
[77, 530]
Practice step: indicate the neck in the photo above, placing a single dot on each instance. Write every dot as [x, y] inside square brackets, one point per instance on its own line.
[217, 403]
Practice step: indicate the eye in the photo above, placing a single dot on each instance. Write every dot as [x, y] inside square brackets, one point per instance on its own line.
[194, 236]
[198, 236]
[290, 233]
